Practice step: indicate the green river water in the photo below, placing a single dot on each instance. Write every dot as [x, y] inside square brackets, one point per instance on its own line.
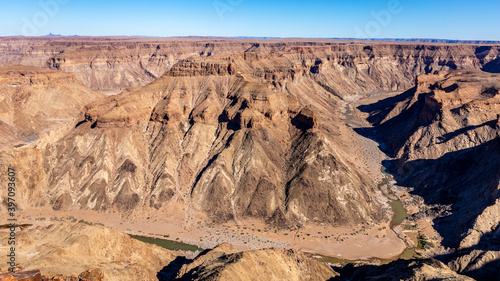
[167, 244]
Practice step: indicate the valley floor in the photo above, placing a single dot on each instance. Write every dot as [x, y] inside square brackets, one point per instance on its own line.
[355, 243]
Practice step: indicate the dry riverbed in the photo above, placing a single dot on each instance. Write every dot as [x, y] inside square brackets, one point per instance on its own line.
[362, 242]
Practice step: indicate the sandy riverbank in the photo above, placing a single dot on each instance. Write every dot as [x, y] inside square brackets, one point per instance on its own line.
[354, 243]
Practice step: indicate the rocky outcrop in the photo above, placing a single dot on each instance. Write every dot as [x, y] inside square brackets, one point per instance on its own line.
[410, 270]
[477, 264]
[35, 275]
[217, 147]
[91, 275]
[35, 100]
[448, 149]
[201, 68]
[224, 263]
[68, 249]
[342, 67]
[306, 119]
[448, 111]
[108, 63]
[29, 275]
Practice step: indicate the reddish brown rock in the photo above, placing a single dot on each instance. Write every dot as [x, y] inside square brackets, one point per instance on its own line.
[30, 275]
[91, 275]
[75, 251]
[224, 263]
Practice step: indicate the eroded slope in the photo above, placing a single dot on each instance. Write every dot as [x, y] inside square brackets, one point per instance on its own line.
[213, 144]
[448, 149]
[35, 100]
[70, 248]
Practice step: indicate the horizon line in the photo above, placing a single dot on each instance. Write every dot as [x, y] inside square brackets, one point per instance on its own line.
[50, 35]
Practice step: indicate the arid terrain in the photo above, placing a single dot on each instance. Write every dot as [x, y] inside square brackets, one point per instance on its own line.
[285, 159]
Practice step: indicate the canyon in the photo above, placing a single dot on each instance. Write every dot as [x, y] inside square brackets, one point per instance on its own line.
[277, 136]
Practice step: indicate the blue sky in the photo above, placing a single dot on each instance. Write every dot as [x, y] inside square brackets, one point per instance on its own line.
[443, 19]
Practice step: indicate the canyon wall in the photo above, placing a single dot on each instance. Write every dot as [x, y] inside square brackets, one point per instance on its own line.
[223, 131]
[355, 66]
[448, 150]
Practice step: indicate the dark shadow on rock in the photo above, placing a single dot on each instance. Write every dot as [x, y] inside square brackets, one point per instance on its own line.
[449, 64]
[464, 180]
[379, 110]
[488, 272]
[483, 52]
[492, 66]
[451, 88]
[467, 180]
[457, 186]
[209, 273]
[169, 272]
[373, 134]
[483, 272]
[451, 135]
[394, 132]
[396, 270]
[81, 123]
[306, 119]
[232, 124]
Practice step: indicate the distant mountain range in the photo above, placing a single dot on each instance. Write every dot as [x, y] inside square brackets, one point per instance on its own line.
[421, 40]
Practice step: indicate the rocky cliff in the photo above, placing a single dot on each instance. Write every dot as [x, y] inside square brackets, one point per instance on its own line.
[235, 131]
[344, 67]
[34, 101]
[70, 249]
[410, 270]
[224, 263]
[213, 142]
[448, 151]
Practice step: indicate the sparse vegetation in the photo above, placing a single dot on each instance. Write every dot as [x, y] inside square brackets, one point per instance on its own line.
[423, 242]
[85, 222]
